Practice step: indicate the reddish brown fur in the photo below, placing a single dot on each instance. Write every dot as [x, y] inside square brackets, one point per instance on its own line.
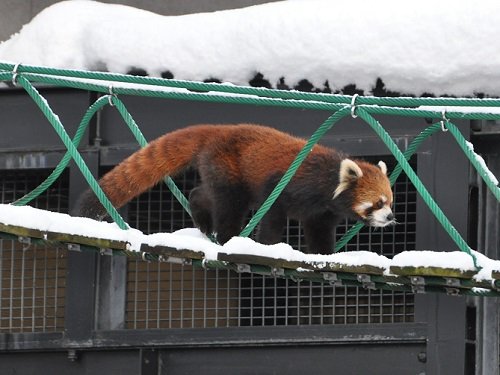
[260, 152]
[239, 165]
[371, 185]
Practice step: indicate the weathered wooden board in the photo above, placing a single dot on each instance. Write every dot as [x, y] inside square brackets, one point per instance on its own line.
[101, 243]
[22, 232]
[170, 252]
[495, 274]
[431, 271]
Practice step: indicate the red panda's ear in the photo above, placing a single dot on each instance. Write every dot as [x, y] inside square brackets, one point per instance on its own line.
[349, 172]
[382, 166]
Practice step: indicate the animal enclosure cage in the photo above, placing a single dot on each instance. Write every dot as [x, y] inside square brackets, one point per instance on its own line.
[166, 295]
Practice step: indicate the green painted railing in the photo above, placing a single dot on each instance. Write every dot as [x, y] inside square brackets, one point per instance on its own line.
[339, 106]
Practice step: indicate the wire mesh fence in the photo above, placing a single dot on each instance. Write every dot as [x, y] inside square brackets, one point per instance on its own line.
[32, 276]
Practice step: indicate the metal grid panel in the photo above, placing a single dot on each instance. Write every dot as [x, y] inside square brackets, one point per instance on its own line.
[172, 296]
[163, 295]
[32, 277]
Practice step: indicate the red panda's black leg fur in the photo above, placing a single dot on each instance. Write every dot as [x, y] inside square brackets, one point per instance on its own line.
[272, 224]
[230, 208]
[319, 233]
[201, 210]
[88, 205]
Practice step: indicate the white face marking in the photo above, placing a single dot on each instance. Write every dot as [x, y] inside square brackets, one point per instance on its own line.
[383, 198]
[362, 207]
[379, 218]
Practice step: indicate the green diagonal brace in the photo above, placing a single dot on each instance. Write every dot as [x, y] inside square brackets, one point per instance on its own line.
[327, 125]
[422, 190]
[61, 132]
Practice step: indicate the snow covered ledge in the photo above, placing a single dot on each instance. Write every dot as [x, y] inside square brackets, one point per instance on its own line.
[192, 239]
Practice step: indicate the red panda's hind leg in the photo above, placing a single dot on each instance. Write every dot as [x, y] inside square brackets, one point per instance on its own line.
[201, 210]
[230, 208]
[271, 226]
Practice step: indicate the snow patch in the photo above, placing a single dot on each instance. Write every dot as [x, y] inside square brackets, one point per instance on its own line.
[455, 260]
[444, 47]
[193, 239]
[482, 163]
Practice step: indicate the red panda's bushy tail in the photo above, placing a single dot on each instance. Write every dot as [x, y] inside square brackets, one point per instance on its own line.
[165, 156]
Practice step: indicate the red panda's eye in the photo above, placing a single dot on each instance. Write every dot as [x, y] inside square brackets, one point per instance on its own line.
[379, 205]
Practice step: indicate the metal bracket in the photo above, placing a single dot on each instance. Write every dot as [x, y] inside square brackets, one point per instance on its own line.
[452, 291]
[72, 355]
[417, 284]
[366, 280]
[243, 268]
[175, 260]
[74, 247]
[452, 282]
[25, 241]
[332, 278]
[106, 251]
[277, 272]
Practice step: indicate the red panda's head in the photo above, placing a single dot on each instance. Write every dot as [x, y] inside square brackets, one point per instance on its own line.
[370, 190]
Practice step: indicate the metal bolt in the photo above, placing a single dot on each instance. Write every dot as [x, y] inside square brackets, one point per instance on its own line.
[422, 357]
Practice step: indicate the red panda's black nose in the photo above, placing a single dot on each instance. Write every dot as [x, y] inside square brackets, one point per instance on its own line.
[390, 217]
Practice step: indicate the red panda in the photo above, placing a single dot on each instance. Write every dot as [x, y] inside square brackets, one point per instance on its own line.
[239, 165]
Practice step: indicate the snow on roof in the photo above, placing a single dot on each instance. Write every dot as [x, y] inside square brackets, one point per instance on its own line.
[414, 47]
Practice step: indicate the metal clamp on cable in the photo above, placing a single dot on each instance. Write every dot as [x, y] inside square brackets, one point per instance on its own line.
[353, 106]
[15, 73]
[444, 119]
[145, 257]
[204, 264]
[111, 95]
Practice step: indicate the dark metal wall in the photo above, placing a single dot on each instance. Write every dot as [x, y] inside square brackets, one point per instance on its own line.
[98, 333]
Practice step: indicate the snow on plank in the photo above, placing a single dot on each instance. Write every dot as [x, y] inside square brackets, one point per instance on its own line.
[454, 264]
[245, 250]
[54, 226]
[27, 233]
[190, 244]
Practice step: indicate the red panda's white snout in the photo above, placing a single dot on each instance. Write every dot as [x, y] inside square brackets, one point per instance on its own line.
[372, 194]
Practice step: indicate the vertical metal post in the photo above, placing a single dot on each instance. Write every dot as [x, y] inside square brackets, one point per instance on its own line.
[444, 169]
[81, 271]
[488, 310]
[111, 297]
